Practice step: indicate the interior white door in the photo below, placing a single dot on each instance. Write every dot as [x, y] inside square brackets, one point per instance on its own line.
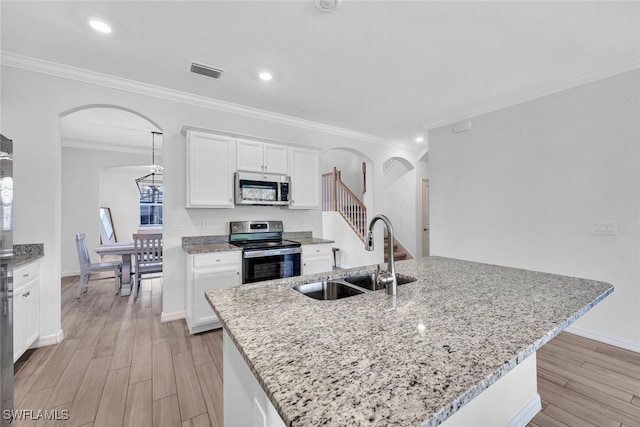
[425, 216]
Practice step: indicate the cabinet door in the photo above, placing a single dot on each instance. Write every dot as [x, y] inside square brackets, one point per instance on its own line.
[18, 324]
[212, 278]
[276, 159]
[305, 179]
[210, 160]
[316, 258]
[250, 156]
[314, 265]
[31, 309]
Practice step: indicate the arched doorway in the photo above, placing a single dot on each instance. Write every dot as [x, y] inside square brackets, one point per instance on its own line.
[102, 144]
[400, 202]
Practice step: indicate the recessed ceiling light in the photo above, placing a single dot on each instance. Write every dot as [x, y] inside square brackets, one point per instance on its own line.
[419, 139]
[100, 26]
[327, 5]
[265, 76]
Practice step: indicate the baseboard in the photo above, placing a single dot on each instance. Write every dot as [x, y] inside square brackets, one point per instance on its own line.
[45, 340]
[70, 273]
[203, 328]
[527, 413]
[607, 339]
[176, 315]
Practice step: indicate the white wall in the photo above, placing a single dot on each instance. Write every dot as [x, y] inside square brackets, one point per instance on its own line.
[351, 249]
[32, 104]
[349, 165]
[523, 185]
[119, 192]
[400, 203]
[81, 198]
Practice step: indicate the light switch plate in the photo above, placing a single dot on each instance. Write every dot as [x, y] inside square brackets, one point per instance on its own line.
[604, 227]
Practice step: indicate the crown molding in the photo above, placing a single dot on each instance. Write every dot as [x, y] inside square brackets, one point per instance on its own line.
[608, 70]
[23, 62]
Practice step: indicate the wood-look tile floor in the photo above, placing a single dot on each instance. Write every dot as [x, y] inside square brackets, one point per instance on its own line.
[583, 382]
[120, 366]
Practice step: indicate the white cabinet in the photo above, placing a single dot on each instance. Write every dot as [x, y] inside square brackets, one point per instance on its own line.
[209, 271]
[317, 258]
[26, 307]
[305, 178]
[255, 156]
[210, 160]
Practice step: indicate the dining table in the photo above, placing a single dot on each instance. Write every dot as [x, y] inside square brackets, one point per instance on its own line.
[125, 250]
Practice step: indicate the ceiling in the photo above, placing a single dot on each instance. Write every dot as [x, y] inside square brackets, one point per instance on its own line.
[389, 69]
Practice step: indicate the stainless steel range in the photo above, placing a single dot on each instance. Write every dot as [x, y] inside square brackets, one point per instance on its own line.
[265, 254]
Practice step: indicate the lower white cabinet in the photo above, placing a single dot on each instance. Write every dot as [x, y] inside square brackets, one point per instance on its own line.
[317, 258]
[209, 271]
[26, 307]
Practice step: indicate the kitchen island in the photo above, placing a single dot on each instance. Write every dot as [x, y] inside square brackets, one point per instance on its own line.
[417, 358]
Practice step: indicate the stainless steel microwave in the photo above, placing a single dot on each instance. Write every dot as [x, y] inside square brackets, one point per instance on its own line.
[261, 189]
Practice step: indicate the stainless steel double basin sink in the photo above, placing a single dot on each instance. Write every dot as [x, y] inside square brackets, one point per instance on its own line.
[345, 287]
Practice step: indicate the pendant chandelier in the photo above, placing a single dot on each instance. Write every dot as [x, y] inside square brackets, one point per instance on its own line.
[150, 185]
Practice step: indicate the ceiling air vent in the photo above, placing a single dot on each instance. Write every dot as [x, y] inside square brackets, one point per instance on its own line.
[205, 70]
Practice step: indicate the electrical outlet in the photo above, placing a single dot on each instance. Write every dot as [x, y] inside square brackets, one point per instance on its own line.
[177, 224]
[604, 228]
[205, 223]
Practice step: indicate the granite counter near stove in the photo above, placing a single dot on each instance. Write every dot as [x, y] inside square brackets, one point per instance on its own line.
[207, 244]
[26, 253]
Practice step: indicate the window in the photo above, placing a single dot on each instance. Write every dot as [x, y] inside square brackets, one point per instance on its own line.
[150, 204]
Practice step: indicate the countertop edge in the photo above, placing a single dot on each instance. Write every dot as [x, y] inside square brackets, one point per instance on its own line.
[21, 261]
[439, 417]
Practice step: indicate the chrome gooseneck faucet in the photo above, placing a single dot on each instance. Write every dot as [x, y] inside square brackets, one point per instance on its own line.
[384, 278]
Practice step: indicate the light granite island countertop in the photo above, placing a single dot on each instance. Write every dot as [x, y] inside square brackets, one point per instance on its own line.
[410, 360]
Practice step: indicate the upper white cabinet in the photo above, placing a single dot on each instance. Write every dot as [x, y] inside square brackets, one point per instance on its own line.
[305, 178]
[255, 156]
[210, 167]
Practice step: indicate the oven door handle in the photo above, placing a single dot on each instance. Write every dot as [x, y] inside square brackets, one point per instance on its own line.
[271, 252]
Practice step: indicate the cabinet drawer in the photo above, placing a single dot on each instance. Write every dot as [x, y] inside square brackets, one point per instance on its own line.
[22, 275]
[313, 250]
[217, 258]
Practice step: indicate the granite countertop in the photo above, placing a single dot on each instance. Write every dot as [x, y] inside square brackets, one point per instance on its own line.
[206, 244]
[409, 360]
[26, 253]
[209, 247]
[312, 241]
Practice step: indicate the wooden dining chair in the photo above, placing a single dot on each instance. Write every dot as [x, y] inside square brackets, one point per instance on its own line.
[147, 256]
[87, 267]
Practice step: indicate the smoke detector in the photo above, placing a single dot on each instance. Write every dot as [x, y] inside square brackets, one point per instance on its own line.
[327, 5]
[206, 70]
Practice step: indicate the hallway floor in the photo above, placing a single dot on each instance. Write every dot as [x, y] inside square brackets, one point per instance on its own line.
[118, 365]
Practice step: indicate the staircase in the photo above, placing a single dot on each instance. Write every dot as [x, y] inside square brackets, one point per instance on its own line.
[336, 196]
[399, 252]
